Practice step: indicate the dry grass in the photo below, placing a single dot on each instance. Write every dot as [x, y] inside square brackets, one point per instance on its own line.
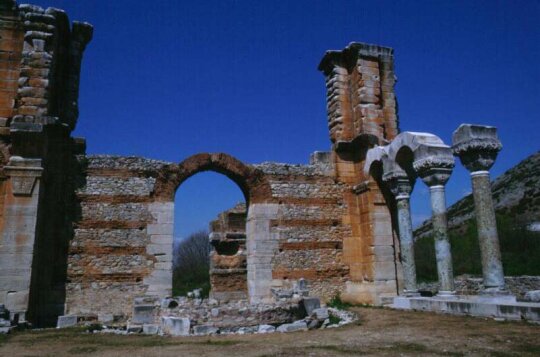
[382, 332]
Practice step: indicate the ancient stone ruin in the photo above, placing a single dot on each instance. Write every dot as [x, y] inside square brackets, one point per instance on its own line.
[91, 236]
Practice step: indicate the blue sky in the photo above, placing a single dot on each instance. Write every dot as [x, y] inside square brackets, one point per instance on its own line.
[168, 79]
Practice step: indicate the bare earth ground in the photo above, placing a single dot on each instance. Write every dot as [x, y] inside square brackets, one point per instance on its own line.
[380, 332]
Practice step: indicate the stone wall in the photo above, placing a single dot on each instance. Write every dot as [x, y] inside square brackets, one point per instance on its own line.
[228, 258]
[40, 60]
[122, 243]
[362, 111]
[87, 235]
[308, 227]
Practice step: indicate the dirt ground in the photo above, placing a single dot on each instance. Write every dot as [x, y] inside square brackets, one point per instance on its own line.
[379, 332]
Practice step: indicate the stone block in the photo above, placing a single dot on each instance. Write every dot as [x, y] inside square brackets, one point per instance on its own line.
[300, 325]
[532, 296]
[313, 324]
[143, 314]
[320, 313]
[134, 328]
[385, 270]
[266, 329]
[162, 229]
[205, 330]
[150, 329]
[309, 304]
[66, 321]
[158, 248]
[17, 300]
[161, 239]
[175, 326]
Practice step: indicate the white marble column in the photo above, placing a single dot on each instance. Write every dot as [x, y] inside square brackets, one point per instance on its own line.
[434, 166]
[401, 187]
[477, 147]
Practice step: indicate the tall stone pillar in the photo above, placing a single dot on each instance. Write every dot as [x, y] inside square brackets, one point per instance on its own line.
[477, 147]
[17, 241]
[401, 187]
[434, 165]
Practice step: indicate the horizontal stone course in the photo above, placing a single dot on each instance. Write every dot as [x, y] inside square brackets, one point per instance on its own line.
[109, 186]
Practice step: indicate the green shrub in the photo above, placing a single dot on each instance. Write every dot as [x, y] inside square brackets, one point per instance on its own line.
[520, 250]
[337, 303]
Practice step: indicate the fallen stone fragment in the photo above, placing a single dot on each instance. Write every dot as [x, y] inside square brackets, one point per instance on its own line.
[309, 304]
[313, 324]
[295, 326]
[143, 314]
[5, 330]
[175, 326]
[244, 330]
[150, 329]
[205, 330]
[532, 296]
[66, 321]
[134, 328]
[266, 329]
[320, 313]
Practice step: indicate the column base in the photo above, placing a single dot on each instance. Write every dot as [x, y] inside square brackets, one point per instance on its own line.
[410, 293]
[496, 295]
[446, 294]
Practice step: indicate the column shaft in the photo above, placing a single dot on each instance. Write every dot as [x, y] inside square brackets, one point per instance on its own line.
[442, 243]
[406, 243]
[487, 231]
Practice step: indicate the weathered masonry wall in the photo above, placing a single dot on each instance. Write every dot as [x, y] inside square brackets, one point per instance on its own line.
[40, 59]
[308, 229]
[228, 258]
[86, 235]
[362, 111]
[122, 244]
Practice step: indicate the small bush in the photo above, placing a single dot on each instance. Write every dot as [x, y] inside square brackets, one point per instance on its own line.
[334, 320]
[337, 303]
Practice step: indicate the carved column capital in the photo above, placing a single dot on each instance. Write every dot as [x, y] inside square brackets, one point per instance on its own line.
[399, 184]
[477, 146]
[23, 173]
[435, 170]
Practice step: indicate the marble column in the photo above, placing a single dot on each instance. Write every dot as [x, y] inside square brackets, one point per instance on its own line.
[401, 187]
[477, 147]
[434, 166]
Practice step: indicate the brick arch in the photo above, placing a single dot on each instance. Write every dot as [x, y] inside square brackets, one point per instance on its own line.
[251, 181]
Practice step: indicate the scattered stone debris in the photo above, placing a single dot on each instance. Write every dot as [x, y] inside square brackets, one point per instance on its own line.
[532, 296]
[5, 322]
[183, 316]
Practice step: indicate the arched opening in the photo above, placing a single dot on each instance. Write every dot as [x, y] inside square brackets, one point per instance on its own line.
[258, 202]
[209, 250]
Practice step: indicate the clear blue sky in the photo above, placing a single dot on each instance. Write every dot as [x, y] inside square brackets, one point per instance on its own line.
[168, 79]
